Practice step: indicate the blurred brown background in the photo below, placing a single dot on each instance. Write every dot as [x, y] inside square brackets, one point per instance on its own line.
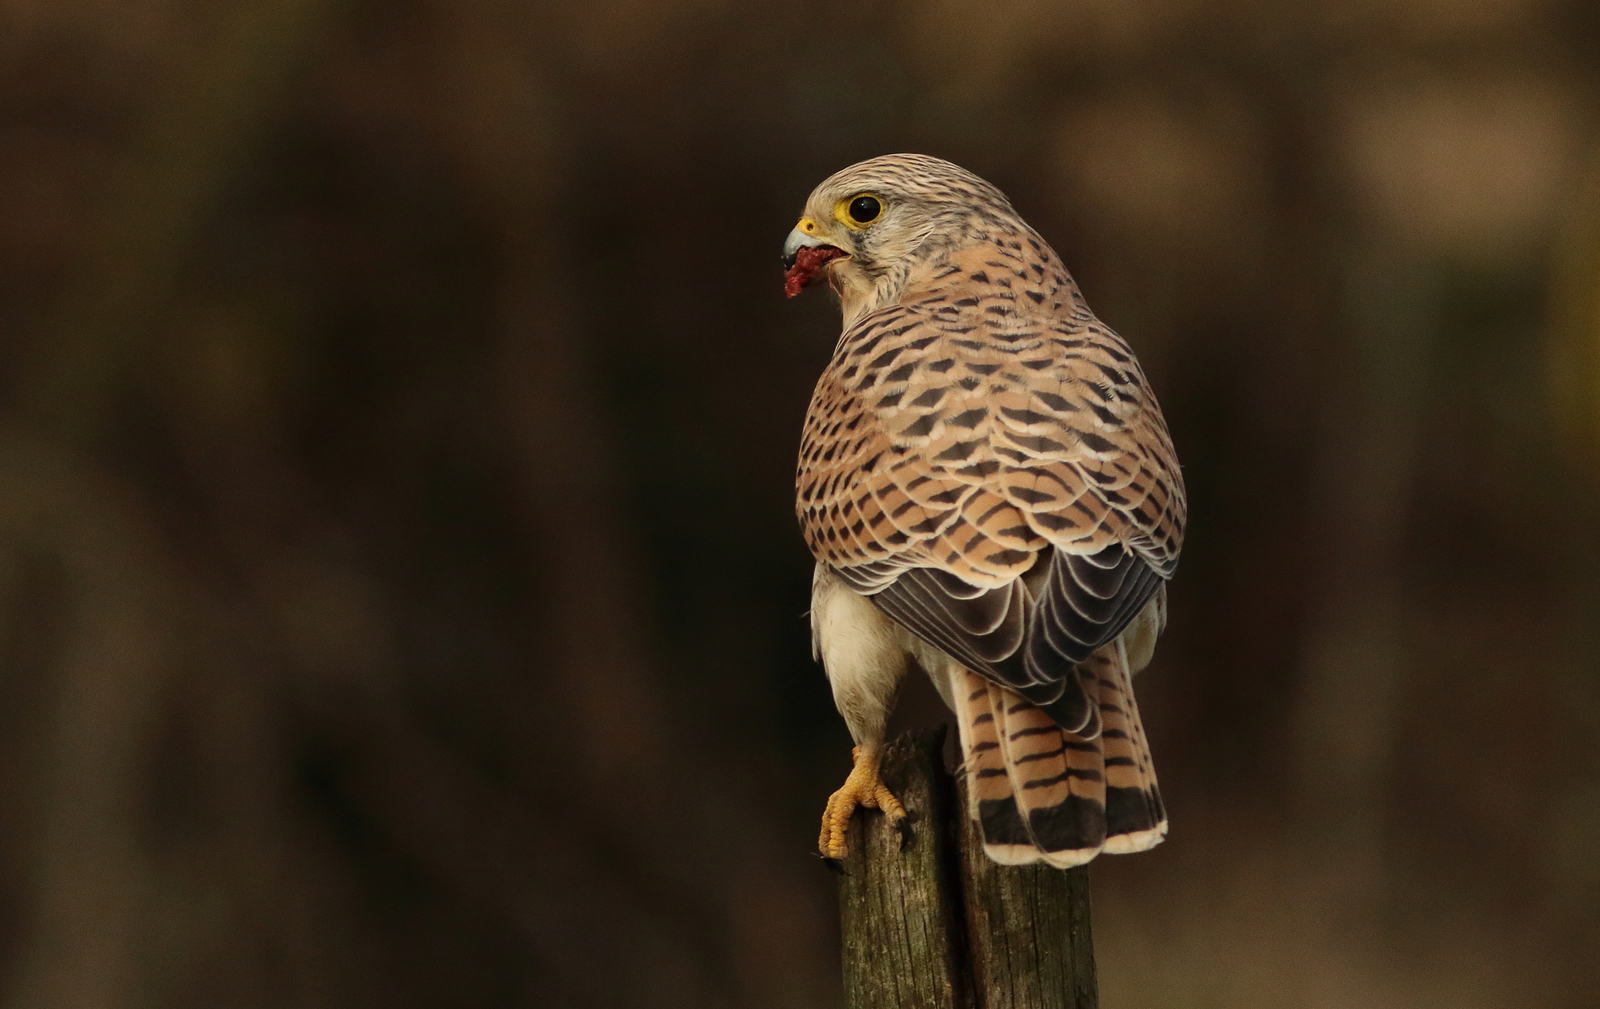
[400, 599]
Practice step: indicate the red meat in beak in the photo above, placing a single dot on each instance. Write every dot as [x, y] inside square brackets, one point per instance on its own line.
[808, 262]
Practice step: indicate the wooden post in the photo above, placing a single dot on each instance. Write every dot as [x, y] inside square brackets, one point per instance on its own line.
[939, 926]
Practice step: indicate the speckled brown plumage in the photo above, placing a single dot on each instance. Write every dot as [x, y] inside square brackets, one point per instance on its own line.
[984, 459]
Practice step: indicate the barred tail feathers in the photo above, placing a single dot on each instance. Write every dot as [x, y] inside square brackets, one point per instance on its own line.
[1135, 818]
[1042, 794]
[989, 795]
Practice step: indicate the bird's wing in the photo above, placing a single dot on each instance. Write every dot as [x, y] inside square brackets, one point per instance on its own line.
[987, 462]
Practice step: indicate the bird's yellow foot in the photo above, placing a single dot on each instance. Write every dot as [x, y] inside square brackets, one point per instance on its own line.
[862, 788]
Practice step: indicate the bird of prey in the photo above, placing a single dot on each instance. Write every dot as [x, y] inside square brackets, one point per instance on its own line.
[990, 492]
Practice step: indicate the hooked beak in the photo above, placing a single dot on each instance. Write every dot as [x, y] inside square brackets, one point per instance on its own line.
[803, 236]
[805, 255]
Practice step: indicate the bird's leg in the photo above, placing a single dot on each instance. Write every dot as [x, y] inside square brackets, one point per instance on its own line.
[862, 788]
[865, 656]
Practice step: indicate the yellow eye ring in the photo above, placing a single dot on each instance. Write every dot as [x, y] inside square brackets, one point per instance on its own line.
[859, 211]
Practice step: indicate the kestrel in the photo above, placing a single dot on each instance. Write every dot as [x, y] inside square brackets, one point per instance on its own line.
[990, 491]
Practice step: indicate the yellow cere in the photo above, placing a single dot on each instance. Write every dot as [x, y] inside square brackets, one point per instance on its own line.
[807, 225]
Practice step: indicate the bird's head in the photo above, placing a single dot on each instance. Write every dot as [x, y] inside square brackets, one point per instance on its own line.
[869, 226]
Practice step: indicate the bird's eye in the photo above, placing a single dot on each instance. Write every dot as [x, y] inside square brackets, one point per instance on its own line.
[865, 209]
[859, 211]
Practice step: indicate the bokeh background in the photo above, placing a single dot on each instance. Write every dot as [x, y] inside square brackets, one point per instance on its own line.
[400, 599]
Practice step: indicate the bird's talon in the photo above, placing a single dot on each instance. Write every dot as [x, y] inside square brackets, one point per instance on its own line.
[908, 837]
[862, 788]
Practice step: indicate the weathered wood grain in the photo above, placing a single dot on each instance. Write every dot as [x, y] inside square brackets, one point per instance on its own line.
[934, 924]
[899, 902]
[1031, 943]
